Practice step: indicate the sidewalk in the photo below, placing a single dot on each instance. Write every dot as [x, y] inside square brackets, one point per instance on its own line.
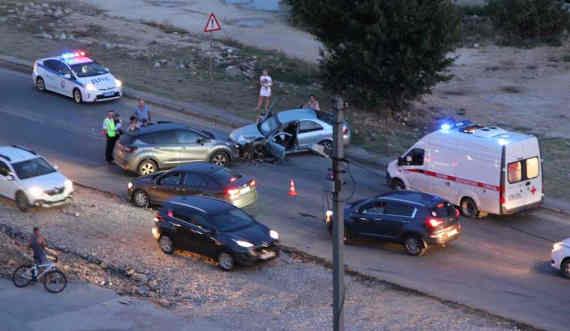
[218, 116]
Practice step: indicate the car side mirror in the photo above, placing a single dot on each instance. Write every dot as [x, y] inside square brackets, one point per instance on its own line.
[67, 76]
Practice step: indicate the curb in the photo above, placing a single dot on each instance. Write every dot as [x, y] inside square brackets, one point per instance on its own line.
[221, 117]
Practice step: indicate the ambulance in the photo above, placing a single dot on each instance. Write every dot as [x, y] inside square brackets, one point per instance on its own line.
[482, 169]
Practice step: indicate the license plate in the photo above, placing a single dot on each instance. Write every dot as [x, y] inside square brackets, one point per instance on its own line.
[267, 255]
[452, 233]
[108, 94]
[245, 190]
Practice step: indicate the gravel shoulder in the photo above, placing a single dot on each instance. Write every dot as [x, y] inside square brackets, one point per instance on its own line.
[103, 240]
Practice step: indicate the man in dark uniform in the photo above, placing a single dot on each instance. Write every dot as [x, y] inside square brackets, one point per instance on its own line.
[38, 245]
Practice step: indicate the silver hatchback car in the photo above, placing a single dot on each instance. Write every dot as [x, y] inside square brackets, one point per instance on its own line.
[167, 145]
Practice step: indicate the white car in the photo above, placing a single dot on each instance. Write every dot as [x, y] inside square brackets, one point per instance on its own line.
[76, 76]
[31, 180]
[561, 257]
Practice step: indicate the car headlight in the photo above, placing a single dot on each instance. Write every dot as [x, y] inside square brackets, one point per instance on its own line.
[35, 191]
[90, 87]
[118, 83]
[243, 243]
[274, 234]
[68, 185]
[130, 185]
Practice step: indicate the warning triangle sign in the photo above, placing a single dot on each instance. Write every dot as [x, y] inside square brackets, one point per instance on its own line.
[212, 24]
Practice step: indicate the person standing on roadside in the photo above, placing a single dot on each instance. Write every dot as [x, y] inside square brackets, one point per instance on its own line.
[110, 132]
[265, 90]
[38, 245]
[312, 103]
[142, 112]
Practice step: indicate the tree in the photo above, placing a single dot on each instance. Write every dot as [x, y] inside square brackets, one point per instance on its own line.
[382, 51]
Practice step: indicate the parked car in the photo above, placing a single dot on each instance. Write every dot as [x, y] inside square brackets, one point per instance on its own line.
[417, 220]
[561, 257]
[483, 170]
[296, 130]
[77, 76]
[167, 145]
[31, 180]
[216, 229]
[198, 178]
[329, 118]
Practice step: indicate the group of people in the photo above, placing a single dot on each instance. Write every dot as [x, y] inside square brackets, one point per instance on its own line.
[113, 127]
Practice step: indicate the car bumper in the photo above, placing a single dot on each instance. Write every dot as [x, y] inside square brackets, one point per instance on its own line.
[99, 96]
[557, 257]
[244, 200]
[443, 236]
[535, 205]
[258, 254]
[52, 203]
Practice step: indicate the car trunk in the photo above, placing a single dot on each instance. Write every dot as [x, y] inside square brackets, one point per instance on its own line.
[523, 180]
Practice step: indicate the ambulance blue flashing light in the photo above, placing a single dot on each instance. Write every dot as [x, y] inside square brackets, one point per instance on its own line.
[72, 55]
[445, 127]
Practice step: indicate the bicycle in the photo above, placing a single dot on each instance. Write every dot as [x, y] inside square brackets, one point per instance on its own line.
[54, 279]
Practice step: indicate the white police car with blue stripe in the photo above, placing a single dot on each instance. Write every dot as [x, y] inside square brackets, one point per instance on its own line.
[77, 76]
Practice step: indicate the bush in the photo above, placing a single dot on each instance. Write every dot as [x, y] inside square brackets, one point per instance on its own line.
[382, 52]
[518, 20]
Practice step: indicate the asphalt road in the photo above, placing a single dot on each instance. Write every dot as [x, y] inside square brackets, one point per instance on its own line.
[500, 264]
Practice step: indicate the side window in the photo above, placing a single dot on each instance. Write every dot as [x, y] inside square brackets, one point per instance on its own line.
[515, 172]
[398, 209]
[161, 138]
[4, 170]
[172, 178]
[186, 137]
[415, 157]
[51, 64]
[532, 167]
[194, 181]
[377, 207]
[309, 126]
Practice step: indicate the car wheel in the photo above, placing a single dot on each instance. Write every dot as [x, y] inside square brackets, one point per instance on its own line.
[140, 199]
[565, 268]
[166, 245]
[414, 246]
[147, 167]
[220, 159]
[40, 84]
[77, 96]
[22, 202]
[397, 185]
[327, 145]
[226, 261]
[469, 208]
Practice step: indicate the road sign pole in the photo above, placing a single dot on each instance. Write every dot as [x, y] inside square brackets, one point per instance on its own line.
[211, 64]
[338, 221]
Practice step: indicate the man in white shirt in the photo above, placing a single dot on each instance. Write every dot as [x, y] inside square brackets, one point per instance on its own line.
[265, 91]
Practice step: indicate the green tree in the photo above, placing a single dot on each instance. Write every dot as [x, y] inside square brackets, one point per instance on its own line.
[381, 52]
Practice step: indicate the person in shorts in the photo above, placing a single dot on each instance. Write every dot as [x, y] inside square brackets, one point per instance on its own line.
[265, 90]
[38, 245]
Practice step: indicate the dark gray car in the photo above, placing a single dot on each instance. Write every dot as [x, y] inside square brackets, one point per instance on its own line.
[167, 145]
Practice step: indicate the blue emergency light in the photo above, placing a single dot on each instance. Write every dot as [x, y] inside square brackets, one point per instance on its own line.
[73, 54]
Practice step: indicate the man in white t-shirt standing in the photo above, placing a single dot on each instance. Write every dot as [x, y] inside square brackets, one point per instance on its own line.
[265, 91]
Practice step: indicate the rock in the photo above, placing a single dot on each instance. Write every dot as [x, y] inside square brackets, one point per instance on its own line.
[181, 66]
[141, 278]
[157, 65]
[58, 13]
[76, 214]
[45, 5]
[108, 46]
[165, 303]
[142, 291]
[45, 35]
[163, 61]
[153, 284]
[233, 71]
[130, 272]
[67, 11]
[62, 36]
[476, 45]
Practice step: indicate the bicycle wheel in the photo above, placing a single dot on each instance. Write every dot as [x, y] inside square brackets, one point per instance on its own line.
[55, 281]
[22, 276]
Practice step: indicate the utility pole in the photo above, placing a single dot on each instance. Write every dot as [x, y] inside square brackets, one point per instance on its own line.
[338, 217]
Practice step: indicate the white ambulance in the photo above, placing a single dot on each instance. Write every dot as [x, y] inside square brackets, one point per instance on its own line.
[483, 170]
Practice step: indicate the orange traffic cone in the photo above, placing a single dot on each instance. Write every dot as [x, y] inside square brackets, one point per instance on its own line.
[292, 191]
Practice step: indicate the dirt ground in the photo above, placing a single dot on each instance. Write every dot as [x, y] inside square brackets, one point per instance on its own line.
[515, 88]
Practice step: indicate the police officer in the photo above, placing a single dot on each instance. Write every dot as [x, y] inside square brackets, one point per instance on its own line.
[110, 132]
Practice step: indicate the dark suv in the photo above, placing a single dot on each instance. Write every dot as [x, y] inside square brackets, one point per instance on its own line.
[417, 220]
[216, 229]
[167, 145]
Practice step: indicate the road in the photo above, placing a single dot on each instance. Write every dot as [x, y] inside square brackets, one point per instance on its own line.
[500, 264]
[81, 306]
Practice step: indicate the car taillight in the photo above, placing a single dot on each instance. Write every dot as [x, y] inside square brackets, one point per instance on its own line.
[252, 183]
[232, 191]
[502, 195]
[433, 222]
[157, 217]
[456, 212]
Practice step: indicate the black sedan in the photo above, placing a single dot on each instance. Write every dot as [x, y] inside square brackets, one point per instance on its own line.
[216, 229]
[197, 178]
[417, 220]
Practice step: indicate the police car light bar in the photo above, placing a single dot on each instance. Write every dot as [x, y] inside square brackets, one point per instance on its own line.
[72, 55]
[451, 125]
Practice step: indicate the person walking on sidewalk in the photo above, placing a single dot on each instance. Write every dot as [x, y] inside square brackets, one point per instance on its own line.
[142, 112]
[110, 133]
[265, 90]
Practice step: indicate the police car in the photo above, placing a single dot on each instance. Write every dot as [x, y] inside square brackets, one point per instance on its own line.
[31, 180]
[76, 75]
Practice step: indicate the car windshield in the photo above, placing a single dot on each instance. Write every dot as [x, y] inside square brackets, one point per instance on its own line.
[231, 220]
[33, 168]
[89, 69]
[269, 125]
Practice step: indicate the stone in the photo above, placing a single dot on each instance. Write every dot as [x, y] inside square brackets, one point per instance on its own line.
[67, 11]
[142, 291]
[58, 13]
[45, 5]
[153, 284]
[157, 65]
[233, 71]
[62, 36]
[165, 303]
[46, 35]
[141, 278]
[76, 214]
[163, 61]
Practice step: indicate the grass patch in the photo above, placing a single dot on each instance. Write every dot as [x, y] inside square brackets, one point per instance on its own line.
[165, 27]
[388, 143]
[556, 172]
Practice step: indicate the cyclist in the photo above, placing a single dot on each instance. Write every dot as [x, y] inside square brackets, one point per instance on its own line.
[38, 245]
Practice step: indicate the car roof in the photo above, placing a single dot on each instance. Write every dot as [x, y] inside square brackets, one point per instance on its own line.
[199, 167]
[296, 114]
[70, 61]
[157, 128]
[203, 205]
[15, 154]
[417, 198]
